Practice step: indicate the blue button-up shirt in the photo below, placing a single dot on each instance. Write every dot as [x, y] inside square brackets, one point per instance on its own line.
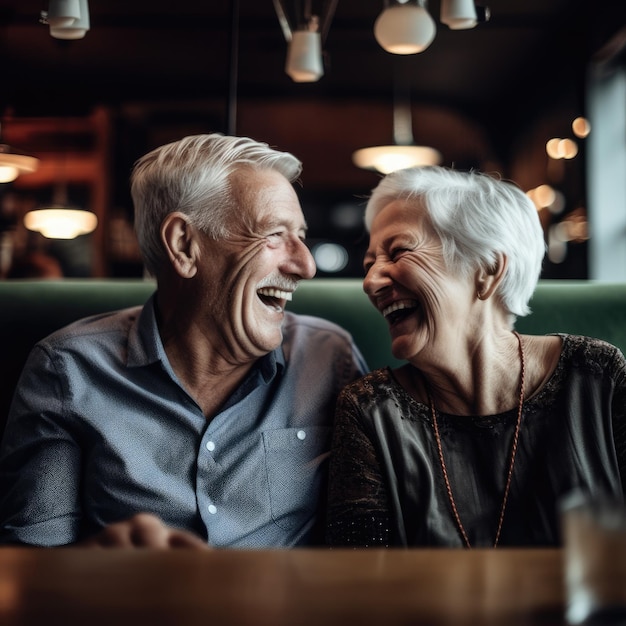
[101, 428]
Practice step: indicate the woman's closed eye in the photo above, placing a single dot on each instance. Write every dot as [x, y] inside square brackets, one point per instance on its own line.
[397, 252]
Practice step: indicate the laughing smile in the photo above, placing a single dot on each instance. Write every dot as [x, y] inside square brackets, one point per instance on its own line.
[274, 298]
[399, 309]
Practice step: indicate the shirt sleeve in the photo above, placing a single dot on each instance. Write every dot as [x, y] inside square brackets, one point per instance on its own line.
[358, 513]
[39, 461]
[350, 367]
[358, 363]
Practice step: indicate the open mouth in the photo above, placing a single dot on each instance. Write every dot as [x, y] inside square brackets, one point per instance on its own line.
[274, 298]
[399, 310]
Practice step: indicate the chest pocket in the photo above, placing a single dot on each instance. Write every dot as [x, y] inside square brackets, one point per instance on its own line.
[296, 461]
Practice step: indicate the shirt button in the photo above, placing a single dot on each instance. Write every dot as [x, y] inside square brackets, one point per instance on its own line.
[301, 435]
[210, 446]
[212, 509]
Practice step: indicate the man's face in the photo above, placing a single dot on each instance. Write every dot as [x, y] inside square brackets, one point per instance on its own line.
[249, 277]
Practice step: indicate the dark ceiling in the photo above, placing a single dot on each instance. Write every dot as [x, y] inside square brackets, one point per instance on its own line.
[165, 51]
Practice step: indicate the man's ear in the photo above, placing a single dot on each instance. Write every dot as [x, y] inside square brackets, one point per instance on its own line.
[488, 278]
[179, 239]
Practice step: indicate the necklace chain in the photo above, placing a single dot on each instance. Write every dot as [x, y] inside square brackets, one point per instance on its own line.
[518, 424]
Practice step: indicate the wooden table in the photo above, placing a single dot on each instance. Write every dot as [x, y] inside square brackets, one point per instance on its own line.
[73, 586]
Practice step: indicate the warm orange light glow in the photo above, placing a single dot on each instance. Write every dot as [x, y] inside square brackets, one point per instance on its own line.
[545, 195]
[61, 223]
[581, 127]
[561, 148]
[8, 173]
[568, 148]
[386, 159]
[13, 164]
[552, 148]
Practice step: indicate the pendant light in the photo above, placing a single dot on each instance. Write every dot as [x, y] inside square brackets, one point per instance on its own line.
[67, 19]
[13, 163]
[304, 63]
[406, 26]
[459, 14]
[59, 220]
[403, 152]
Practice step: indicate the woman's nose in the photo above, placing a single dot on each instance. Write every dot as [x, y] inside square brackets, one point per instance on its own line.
[375, 279]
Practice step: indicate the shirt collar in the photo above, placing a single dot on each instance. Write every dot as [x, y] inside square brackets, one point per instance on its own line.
[144, 342]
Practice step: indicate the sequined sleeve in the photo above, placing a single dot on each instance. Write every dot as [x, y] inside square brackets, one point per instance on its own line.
[619, 416]
[358, 512]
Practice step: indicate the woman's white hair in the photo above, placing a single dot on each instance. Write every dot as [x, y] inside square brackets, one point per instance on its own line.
[193, 176]
[476, 217]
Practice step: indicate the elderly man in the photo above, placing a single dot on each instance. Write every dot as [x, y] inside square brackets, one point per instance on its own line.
[203, 417]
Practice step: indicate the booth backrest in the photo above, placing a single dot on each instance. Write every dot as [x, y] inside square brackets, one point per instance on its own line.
[32, 309]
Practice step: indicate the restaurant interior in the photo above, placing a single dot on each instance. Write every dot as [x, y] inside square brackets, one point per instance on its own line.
[531, 90]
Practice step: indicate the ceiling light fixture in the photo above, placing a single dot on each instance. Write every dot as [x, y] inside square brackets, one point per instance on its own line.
[63, 13]
[458, 14]
[403, 153]
[67, 19]
[304, 54]
[59, 220]
[13, 163]
[304, 62]
[406, 26]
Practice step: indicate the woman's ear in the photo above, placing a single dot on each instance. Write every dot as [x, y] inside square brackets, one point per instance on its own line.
[488, 278]
[179, 239]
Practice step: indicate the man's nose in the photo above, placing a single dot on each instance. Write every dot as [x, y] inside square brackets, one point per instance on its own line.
[301, 260]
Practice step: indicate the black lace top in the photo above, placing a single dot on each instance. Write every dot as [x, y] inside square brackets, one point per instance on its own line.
[386, 483]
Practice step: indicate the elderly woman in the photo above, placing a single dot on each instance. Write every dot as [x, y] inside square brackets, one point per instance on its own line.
[474, 441]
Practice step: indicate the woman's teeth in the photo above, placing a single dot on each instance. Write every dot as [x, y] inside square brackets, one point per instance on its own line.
[398, 306]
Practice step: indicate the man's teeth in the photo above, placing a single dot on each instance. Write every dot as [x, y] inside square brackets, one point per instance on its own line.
[398, 305]
[275, 293]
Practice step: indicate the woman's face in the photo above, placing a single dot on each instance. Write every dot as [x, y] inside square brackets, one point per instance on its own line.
[427, 307]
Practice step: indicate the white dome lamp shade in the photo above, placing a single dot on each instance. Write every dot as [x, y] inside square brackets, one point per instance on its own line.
[304, 63]
[387, 159]
[405, 28]
[13, 163]
[68, 19]
[304, 57]
[59, 222]
[459, 14]
[63, 13]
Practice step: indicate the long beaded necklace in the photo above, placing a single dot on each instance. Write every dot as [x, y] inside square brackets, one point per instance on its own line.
[455, 511]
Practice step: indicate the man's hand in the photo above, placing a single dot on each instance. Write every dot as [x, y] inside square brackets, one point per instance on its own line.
[143, 530]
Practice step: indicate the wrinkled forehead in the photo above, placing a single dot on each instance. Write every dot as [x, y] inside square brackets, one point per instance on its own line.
[265, 197]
